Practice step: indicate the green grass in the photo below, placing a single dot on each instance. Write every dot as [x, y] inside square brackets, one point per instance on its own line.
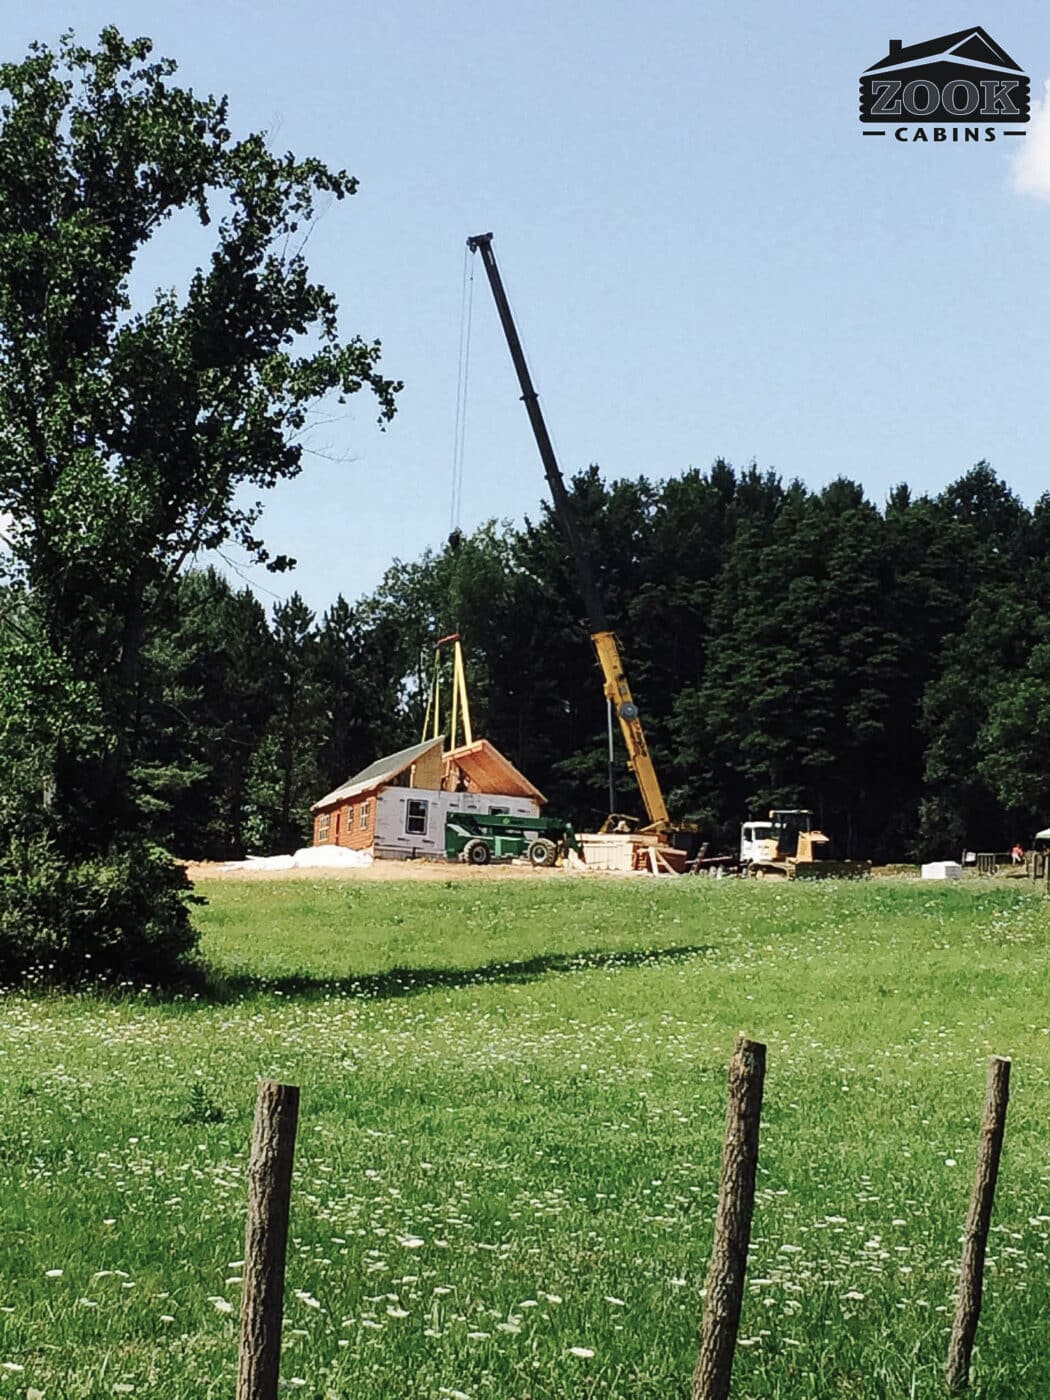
[512, 1108]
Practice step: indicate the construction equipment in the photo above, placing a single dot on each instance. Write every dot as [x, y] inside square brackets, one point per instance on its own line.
[788, 846]
[606, 647]
[476, 838]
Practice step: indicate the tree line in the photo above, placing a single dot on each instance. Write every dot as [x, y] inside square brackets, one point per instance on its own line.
[888, 667]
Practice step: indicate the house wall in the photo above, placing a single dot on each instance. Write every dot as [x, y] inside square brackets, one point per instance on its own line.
[393, 839]
[386, 819]
[350, 824]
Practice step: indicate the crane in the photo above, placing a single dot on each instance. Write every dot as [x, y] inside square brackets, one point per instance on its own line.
[607, 648]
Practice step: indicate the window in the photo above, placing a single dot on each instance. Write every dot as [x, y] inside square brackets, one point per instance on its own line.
[499, 811]
[322, 826]
[366, 813]
[416, 817]
[337, 816]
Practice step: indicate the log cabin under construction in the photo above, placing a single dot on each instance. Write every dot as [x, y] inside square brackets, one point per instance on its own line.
[396, 807]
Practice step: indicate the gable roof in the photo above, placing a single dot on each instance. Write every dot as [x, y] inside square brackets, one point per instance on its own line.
[490, 772]
[384, 770]
[974, 47]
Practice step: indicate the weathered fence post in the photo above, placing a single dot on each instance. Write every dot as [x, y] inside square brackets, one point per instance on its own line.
[975, 1239]
[266, 1239]
[736, 1200]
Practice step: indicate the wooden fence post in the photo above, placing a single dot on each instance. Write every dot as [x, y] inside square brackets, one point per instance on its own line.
[736, 1200]
[266, 1239]
[975, 1238]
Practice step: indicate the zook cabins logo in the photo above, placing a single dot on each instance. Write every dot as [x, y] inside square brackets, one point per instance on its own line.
[961, 87]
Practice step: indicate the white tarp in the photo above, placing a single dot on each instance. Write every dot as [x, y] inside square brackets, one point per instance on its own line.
[317, 857]
[942, 870]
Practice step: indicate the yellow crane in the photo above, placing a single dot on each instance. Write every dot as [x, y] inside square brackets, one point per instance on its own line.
[606, 647]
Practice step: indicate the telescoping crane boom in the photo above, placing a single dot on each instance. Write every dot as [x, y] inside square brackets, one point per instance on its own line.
[605, 644]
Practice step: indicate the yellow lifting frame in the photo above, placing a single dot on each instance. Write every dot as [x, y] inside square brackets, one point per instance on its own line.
[460, 698]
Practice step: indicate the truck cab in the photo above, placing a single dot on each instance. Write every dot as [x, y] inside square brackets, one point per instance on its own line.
[758, 843]
[779, 838]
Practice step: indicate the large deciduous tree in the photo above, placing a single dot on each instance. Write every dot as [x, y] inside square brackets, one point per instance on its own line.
[128, 435]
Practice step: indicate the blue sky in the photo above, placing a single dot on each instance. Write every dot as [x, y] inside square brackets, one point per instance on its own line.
[705, 256]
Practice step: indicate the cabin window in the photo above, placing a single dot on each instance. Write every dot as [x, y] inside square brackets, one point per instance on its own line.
[499, 811]
[337, 824]
[416, 817]
[366, 814]
[322, 826]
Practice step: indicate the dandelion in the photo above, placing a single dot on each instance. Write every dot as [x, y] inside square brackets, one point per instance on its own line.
[221, 1305]
[616, 1302]
[950, 1162]
[478, 1336]
[11, 1366]
[52, 1273]
[584, 1353]
[410, 1242]
[166, 1317]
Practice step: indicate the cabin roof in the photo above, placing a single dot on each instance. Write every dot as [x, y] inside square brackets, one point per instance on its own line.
[490, 772]
[378, 774]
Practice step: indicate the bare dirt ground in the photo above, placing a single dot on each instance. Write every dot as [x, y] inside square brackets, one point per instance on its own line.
[382, 870]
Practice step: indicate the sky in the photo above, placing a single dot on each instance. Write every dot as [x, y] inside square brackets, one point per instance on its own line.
[705, 256]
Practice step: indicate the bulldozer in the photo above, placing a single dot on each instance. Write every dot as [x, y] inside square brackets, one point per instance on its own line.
[789, 847]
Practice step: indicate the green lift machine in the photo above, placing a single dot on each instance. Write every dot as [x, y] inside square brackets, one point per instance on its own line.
[476, 838]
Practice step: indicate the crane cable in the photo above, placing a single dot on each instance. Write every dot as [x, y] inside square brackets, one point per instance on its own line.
[460, 433]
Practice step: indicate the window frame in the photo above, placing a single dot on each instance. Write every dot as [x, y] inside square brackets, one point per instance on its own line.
[411, 816]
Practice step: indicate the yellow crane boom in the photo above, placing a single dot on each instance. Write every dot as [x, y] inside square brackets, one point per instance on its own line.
[605, 644]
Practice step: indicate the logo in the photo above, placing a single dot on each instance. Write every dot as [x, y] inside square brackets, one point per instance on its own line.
[965, 86]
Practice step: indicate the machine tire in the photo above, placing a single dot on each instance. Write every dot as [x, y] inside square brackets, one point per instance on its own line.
[476, 852]
[542, 852]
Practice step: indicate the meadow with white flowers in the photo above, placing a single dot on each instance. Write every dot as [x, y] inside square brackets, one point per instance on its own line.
[513, 1096]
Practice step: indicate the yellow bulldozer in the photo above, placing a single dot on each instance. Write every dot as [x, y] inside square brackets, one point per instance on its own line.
[789, 847]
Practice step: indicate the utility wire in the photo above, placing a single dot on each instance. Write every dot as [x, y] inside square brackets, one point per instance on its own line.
[463, 376]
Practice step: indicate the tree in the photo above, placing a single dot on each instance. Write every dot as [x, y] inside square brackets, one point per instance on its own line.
[284, 775]
[207, 697]
[128, 435]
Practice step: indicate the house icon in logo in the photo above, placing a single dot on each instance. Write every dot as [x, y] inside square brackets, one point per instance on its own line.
[963, 77]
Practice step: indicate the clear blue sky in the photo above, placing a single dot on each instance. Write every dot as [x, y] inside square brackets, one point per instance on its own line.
[705, 256]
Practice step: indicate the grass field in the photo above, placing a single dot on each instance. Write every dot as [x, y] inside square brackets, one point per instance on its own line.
[513, 1101]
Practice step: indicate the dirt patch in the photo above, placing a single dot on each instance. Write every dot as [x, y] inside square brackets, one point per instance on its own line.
[380, 870]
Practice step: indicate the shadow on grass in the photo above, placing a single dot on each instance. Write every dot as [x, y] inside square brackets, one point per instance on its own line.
[222, 986]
